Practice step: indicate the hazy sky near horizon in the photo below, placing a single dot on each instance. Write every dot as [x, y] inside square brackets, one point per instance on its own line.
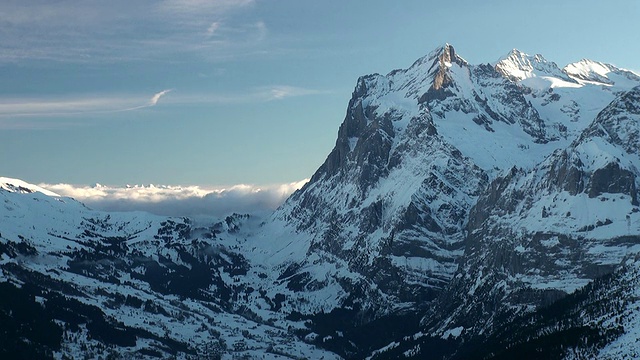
[223, 92]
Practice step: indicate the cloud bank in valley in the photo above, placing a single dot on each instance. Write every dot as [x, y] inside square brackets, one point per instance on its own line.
[180, 200]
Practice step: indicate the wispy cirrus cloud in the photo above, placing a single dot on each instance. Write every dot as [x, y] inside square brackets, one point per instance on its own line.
[119, 30]
[156, 97]
[279, 92]
[180, 200]
[200, 6]
[261, 28]
[14, 113]
[211, 30]
[76, 106]
[255, 95]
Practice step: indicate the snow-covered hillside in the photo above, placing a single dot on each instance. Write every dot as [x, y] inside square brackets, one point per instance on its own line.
[19, 186]
[130, 285]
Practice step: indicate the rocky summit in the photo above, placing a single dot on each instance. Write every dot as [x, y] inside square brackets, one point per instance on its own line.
[466, 212]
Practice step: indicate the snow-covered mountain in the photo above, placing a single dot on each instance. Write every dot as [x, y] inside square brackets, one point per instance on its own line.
[466, 211]
[539, 234]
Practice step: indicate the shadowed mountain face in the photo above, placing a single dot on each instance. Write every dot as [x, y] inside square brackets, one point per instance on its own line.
[462, 206]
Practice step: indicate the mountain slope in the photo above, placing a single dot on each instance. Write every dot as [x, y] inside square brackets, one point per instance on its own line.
[118, 284]
[537, 234]
[419, 148]
[416, 149]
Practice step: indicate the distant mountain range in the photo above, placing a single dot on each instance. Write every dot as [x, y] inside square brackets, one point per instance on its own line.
[466, 212]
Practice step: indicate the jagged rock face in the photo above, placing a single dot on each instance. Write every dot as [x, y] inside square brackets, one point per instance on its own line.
[392, 188]
[360, 123]
[537, 234]
[364, 141]
[613, 124]
[442, 78]
[419, 146]
[612, 179]
[371, 223]
[566, 173]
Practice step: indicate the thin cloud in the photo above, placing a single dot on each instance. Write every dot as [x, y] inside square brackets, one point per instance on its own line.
[258, 94]
[261, 29]
[279, 92]
[118, 30]
[211, 30]
[75, 106]
[200, 6]
[180, 200]
[14, 112]
[157, 96]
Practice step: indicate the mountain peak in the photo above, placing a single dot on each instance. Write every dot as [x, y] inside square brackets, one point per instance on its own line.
[442, 56]
[517, 66]
[601, 73]
[445, 55]
[517, 54]
[589, 70]
[448, 53]
[439, 62]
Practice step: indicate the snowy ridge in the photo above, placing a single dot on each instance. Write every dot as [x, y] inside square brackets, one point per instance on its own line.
[16, 185]
[518, 66]
[589, 71]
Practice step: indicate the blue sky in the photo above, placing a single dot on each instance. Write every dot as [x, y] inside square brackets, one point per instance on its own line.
[223, 92]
